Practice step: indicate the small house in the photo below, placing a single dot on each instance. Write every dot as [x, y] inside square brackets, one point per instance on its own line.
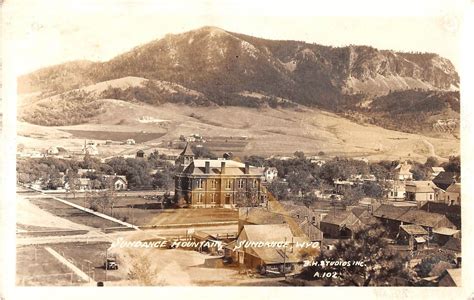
[402, 172]
[420, 191]
[453, 194]
[279, 256]
[415, 236]
[140, 154]
[339, 224]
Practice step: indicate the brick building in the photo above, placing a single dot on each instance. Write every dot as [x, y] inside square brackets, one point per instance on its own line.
[218, 182]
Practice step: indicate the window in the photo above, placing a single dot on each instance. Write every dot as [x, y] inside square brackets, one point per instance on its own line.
[241, 183]
[254, 185]
[396, 194]
[199, 198]
[199, 183]
[228, 184]
[213, 183]
[213, 198]
[431, 196]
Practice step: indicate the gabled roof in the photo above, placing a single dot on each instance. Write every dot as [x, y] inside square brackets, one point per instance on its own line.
[412, 229]
[453, 244]
[271, 233]
[403, 168]
[444, 179]
[187, 151]
[340, 218]
[455, 275]
[390, 212]
[454, 188]
[421, 217]
[441, 208]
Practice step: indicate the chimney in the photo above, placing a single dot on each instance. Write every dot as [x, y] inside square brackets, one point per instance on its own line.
[247, 168]
[222, 167]
[207, 167]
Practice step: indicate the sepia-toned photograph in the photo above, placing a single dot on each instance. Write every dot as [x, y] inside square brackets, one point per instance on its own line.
[162, 144]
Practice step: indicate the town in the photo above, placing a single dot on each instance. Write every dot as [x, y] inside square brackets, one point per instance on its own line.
[224, 218]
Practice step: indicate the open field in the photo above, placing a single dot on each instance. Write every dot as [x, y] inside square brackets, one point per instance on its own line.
[90, 257]
[268, 131]
[30, 217]
[36, 266]
[72, 214]
[139, 137]
[144, 212]
[135, 210]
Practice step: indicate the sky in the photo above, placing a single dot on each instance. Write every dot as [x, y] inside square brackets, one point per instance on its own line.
[49, 32]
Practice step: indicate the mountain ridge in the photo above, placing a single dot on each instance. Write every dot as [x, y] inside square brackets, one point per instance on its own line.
[227, 68]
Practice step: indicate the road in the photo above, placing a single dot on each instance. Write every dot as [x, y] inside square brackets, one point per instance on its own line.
[97, 236]
[432, 151]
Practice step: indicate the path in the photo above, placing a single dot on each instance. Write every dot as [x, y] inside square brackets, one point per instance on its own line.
[432, 151]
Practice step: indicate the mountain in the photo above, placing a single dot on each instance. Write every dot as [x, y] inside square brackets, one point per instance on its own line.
[226, 68]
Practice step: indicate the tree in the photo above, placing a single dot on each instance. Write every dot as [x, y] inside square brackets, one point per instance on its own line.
[142, 270]
[372, 189]
[278, 189]
[431, 162]
[255, 160]
[381, 265]
[454, 165]
[299, 155]
[73, 183]
[203, 152]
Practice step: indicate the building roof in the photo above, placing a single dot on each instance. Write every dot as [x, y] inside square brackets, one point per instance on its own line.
[421, 186]
[198, 167]
[421, 217]
[271, 233]
[358, 211]
[453, 244]
[390, 212]
[340, 218]
[404, 168]
[84, 181]
[445, 231]
[454, 188]
[420, 239]
[412, 229]
[441, 208]
[299, 227]
[187, 151]
[203, 235]
[437, 169]
[444, 179]
[455, 275]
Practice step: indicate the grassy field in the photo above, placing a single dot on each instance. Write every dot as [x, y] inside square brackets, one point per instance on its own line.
[269, 132]
[35, 266]
[90, 258]
[72, 214]
[134, 210]
[139, 137]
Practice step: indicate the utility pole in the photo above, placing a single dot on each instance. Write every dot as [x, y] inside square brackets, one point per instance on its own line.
[284, 260]
[106, 265]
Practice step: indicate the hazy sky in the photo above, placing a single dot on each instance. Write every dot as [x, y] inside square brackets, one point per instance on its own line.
[43, 33]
